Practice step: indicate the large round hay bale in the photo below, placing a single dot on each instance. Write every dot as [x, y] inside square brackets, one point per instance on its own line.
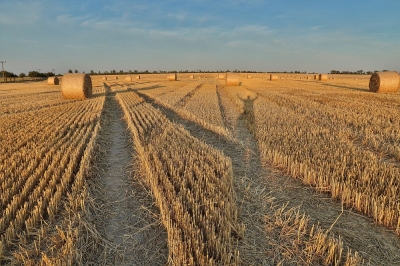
[53, 81]
[116, 77]
[191, 76]
[222, 76]
[322, 77]
[387, 81]
[172, 77]
[315, 77]
[128, 78]
[273, 77]
[104, 78]
[76, 86]
[138, 77]
[232, 79]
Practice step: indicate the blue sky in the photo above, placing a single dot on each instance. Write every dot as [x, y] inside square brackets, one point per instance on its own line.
[152, 35]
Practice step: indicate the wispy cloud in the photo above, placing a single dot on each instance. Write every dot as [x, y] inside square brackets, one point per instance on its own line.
[179, 16]
[20, 13]
[65, 18]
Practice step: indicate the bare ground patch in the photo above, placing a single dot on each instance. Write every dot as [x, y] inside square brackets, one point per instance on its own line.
[120, 208]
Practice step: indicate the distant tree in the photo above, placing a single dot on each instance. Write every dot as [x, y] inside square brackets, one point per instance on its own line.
[22, 75]
[70, 71]
[91, 72]
[360, 71]
[33, 74]
[76, 71]
[121, 71]
[135, 71]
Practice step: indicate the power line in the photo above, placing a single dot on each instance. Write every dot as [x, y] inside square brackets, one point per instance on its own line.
[2, 62]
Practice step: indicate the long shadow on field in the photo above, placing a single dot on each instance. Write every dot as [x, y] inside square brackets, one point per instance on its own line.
[247, 169]
[195, 129]
[375, 242]
[346, 87]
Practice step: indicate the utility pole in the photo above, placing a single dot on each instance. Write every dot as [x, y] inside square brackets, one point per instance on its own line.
[2, 62]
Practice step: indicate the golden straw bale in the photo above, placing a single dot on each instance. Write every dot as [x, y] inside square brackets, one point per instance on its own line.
[222, 76]
[315, 77]
[232, 79]
[249, 77]
[128, 78]
[104, 78]
[323, 77]
[116, 77]
[273, 77]
[171, 77]
[191, 77]
[387, 81]
[138, 77]
[53, 81]
[76, 86]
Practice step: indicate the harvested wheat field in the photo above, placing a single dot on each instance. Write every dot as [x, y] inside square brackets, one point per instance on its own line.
[294, 171]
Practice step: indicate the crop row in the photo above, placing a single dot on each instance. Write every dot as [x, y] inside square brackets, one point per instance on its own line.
[40, 163]
[191, 183]
[317, 146]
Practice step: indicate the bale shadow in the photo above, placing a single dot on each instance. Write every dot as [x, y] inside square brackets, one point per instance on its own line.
[346, 87]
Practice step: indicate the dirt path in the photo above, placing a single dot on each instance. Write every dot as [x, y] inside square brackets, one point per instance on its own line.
[257, 182]
[124, 212]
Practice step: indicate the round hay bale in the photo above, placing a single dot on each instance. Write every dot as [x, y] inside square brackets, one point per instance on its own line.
[387, 81]
[322, 77]
[171, 77]
[138, 77]
[116, 77]
[222, 76]
[273, 77]
[249, 77]
[308, 78]
[53, 81]
[128, 78]
[315, 77]
[191, 77]
[232, 79]
[104, 78]
[76, 86]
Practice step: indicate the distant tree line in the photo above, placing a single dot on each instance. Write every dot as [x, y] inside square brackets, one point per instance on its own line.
[358, 72]
[114, 72]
